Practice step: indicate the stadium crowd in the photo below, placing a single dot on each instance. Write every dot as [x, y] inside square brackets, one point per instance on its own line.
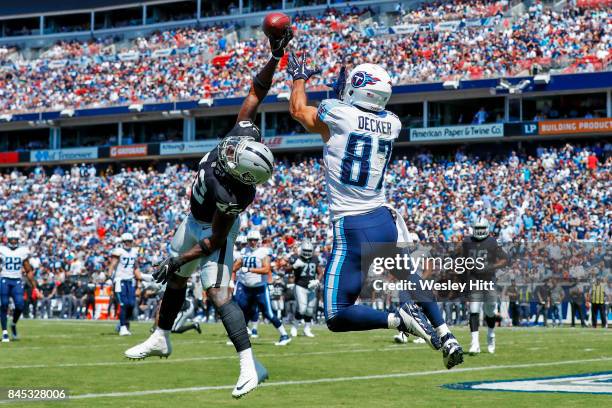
[71, 220]
[190, 63]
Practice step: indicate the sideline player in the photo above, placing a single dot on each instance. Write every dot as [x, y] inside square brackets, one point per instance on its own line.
[358, 134]
[14, 261]
[123, 264]
[482, 244]
[308, 274]
[223, 187]
[253, 271]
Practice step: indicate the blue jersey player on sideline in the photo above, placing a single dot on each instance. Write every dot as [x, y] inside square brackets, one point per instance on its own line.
[358, 134]
[253, 270]
[13, 261]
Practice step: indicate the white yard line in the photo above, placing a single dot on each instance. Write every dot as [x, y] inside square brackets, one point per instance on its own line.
[333, 379]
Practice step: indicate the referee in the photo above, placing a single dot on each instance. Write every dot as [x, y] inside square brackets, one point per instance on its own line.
[598, 303]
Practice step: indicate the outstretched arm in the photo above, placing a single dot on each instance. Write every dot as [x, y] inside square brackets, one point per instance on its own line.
[263, 80]
[298, 102]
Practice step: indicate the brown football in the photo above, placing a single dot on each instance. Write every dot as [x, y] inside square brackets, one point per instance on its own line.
[275, 24]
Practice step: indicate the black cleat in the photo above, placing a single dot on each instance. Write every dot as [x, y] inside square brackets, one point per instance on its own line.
[452, 353]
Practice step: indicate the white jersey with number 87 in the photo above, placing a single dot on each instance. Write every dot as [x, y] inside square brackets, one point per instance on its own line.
[356, 156]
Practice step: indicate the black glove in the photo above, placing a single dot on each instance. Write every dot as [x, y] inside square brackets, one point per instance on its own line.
[340, 83]
[298, 69]
[278, 44]
[166, 269]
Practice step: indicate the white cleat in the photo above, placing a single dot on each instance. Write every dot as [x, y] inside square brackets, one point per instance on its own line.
[283, 341]
[294, 331]
[229, 343]
[5, 337]
[491, 344]
[308, 332]
[156, 345]
[251, 375]
[401, 338]
[474, 348]
[418, 340]
[123, 331]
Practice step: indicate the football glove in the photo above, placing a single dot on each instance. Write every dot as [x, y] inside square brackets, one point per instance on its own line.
[278, 44]
[298, 264]
[339, 83]
[313, 284]
[166, 269]
[298, 69]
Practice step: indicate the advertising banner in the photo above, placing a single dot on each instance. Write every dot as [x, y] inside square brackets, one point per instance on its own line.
[79, 153]
[200, 146]
[293, 142]
[9, 157]
[457, 132]
[575, 126]
[521, 129]
[136, 150]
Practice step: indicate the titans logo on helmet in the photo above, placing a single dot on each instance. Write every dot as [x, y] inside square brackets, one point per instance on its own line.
[361, 79]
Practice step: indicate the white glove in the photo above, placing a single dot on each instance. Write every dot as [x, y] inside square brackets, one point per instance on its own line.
[313, 284]
[231, 284]
[298, 264]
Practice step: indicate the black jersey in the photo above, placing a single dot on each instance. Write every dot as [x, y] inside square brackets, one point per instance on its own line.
[306, 272]
[488, 251]
[214, 189]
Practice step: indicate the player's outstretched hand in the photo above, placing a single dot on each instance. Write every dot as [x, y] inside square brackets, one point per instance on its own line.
[298, 69]
[278, 44]
[166, 269]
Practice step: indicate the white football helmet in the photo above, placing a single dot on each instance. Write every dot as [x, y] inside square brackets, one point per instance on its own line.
[241, 239]
[253, 235]
[246, 160]
[127, 237]
[306, 249]
[13, 238]
[480, 228]
[368, 86]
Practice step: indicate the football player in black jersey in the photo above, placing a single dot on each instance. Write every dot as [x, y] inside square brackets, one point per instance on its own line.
[482, 245]
[308, 274]
[223, 187]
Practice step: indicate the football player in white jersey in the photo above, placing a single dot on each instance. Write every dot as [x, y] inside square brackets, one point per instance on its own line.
[123, 265]
[358, 135]
[14, 262]
[253, 273]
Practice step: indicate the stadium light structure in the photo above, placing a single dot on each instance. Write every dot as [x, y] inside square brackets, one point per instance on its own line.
[541, 79]
[283, 96]
[208, 102]
[135, 107]
[505, 86]
[7, 117]
[451, 84]
[67, 113]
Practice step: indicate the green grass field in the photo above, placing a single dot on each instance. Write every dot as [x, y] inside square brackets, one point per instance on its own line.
[331, 370]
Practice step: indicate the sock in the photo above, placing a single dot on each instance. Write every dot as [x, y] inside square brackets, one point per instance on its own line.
[281, 330]
[307, 326]
[393, 321]
[474, 322]
[235, 326]
[358, 318]
[246, 358]
[432, 312]
[255, 325]
[475, 338]
[170, 307]
[442, 330]
[16, 315]
[491, 332]
[161, 332]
